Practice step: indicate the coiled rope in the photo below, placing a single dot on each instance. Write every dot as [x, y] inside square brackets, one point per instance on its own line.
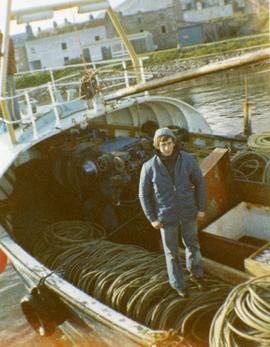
[244, 318]
[251, 166]
[128, 278]
[260, 142]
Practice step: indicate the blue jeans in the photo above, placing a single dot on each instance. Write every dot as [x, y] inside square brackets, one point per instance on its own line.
[169, 236]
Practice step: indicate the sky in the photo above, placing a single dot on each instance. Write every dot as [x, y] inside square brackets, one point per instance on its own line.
[72, 16]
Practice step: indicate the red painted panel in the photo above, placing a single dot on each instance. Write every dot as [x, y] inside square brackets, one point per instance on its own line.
[3, 261]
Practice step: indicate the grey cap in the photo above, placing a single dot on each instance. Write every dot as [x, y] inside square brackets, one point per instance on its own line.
[163, 132]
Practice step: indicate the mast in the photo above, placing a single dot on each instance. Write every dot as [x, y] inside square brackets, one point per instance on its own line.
[119, 28]
[3, 69]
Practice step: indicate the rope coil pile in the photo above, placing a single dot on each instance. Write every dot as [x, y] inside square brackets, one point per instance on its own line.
[131, 280]
[244, 318]
[252, 166]
[260, 142]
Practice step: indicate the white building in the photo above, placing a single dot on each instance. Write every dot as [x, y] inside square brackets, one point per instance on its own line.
[57, 50]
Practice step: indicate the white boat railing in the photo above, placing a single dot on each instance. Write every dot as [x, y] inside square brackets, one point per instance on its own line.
[31, 115]
[54, 90]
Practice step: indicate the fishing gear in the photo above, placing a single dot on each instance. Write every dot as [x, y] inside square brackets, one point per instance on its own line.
[129, 279]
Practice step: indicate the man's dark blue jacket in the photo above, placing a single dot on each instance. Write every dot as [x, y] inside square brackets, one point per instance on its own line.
[168, 201]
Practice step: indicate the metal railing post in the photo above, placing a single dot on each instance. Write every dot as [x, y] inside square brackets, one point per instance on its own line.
[56, 113]
[125, 73]
[30, 111]
[96, 75]
[246, 109]
[52, 78]
[141, 70]
[142, 74]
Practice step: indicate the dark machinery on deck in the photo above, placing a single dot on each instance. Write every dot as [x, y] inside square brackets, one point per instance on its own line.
[100, 170]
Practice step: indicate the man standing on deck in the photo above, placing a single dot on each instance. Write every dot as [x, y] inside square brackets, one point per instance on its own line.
[172, 194]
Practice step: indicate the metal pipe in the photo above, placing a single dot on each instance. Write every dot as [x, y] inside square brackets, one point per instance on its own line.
[195, 73]
[112, 62]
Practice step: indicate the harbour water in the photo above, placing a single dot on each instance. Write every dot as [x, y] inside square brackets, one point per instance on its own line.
[14, 329]
[220, 99]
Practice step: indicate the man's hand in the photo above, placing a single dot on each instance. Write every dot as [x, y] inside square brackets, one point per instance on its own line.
[200, 216]
[157, 224]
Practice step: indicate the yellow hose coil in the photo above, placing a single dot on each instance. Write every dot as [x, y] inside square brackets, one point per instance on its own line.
[260, 142]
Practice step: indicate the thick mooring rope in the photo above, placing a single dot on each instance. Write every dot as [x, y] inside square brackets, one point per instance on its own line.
[260, 142]
[251, 166]
[129, 279]
[244, 318]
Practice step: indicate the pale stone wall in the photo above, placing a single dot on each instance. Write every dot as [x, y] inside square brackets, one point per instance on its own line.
[205, 14]
[162, 24]
[52, 50]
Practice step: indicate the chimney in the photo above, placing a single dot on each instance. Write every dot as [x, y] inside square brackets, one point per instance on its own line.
[29, 32]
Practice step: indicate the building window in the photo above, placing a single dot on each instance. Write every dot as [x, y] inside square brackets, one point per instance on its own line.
[33, 50]
[66, 59]
[118, 50]
[139, 20]
[116, 47]
[163, 29]
[161, 16]
[35, 65]
[97, 38]
[64, 45]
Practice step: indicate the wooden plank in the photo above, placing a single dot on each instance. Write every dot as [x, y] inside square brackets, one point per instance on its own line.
[224, 251]
[219, 184]
[257, 193]
[223, 272]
